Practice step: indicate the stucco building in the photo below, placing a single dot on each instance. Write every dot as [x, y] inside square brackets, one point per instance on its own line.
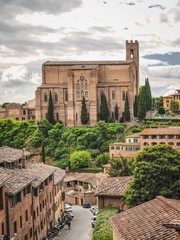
[175, 96]
[69, 81]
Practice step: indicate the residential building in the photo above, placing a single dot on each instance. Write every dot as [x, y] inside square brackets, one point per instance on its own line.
[70, 81]
[156, 219]
[148, 137]
[19, 112]
[127, 149]
[110, 191]
[33, 194]
[174, 96]
[80, 187]
[3, 215]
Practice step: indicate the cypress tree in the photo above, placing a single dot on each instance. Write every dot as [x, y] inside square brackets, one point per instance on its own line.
[142, 104]
[148, 95]
[43, 156]
[50, 116]
[136, 106]
[84, 114]
[104, 111]
[122, 120]
[126, 109]
[116, 112]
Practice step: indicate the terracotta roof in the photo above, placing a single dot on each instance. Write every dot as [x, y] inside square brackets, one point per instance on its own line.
[161, 131]
[114, 186]
[146, 221]
[19, 179]
[3, 176]
[135, 135]
[91, 178]
[8, 154]
[59, 174]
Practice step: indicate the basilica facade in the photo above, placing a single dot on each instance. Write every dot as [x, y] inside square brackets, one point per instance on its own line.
[69, 81]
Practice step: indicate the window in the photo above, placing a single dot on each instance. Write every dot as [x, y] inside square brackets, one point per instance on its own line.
[57, 116]
[66, 95]
[26, 190]
[112, 147]
[113, 94]
[30, 233]
[131, 53]
[1, 198]
[82, 85]
[55, 97]
[86, 85]
[15, 199]
[26, 215]
[129, 140]
[24, 112]
[2, 228]
[123, 95]
[26, 237]
[178, 144]
[34, 214]
[78, 94]
[20, 221]
[15, 227]
[45, 97]
[76, 117]
[86, 94]
[82, 93]
[135, 140]
[117, 147]
[35, 192]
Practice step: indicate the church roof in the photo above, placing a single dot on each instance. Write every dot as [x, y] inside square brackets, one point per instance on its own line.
[92, 63]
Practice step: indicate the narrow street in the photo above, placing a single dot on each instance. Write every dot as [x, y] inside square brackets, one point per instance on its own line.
[80, 226]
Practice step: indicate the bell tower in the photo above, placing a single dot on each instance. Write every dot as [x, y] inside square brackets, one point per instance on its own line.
[132, 54]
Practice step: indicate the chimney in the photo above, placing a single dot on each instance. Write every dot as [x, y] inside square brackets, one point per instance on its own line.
[175, 224]
[23, 158]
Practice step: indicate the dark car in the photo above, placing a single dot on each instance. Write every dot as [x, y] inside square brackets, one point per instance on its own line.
[86, 205]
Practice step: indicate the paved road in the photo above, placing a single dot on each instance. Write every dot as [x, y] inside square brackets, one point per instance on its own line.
[80, 226]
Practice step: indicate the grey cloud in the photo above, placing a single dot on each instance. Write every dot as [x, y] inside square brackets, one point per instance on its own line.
[170, 58]
[130, 3]
[14, 7]
[163, 18]
[102, 29]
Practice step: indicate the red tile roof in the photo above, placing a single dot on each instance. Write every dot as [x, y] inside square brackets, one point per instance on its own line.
[161, 131]
[114, 186]
[147, 220]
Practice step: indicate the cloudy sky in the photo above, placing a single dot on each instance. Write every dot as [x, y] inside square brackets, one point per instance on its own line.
[34, 31]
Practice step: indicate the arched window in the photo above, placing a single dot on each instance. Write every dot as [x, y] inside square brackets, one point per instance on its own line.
[131, 54]
[124, 95]
[86, 85]
[161, 143]
[82, 93]
[56, 97]
[113, 94]
[78, 94]
[82, 85]
[66, 95]
[153, 143]
[171, 143]
[146, 144]
[45, 97]
[78, 85]
[101, 92]
[86, 94]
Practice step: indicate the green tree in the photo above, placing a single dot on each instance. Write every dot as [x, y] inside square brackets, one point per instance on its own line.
[136, 106]
[174, 106]
[157, 102]
[80, 159]
[122, 119]
[116, 112]
[142, 104]
[161, 110]
[148, 95]
[84, 113]
[102, 159]
[126, 109]
[43, 156]
[156, 172]
[104, 111]
[120, 167]
[50, 115]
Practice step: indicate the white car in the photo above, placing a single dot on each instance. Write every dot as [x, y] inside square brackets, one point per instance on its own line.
[68, 208]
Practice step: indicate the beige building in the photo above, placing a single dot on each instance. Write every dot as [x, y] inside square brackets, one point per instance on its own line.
[167, 99]
[19, 112]
[148, 137]
[158, 219]
[70, 81]
[33, 195]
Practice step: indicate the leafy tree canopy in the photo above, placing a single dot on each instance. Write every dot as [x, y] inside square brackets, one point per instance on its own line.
[80, 159]
[156, 172]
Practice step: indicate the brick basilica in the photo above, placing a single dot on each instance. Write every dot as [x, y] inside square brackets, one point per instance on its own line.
[69, 81]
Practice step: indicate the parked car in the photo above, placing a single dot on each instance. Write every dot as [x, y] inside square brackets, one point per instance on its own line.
[86, 205]
[94, 209]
